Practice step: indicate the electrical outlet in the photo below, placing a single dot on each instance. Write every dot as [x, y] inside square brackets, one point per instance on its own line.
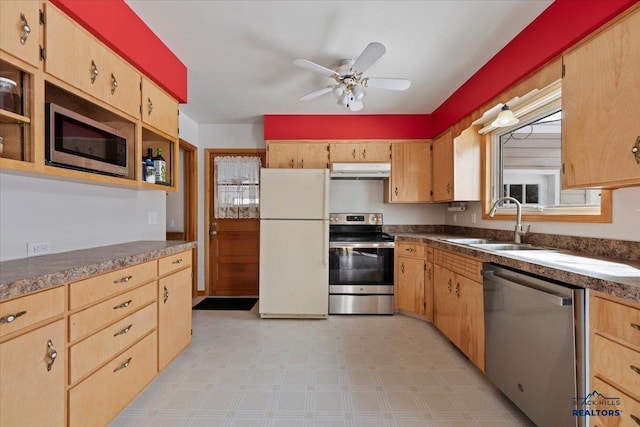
[153, 217]
[38, 248]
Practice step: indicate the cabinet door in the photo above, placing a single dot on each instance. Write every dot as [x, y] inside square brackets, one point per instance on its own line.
[410, 292]
[428, 290]
[313, 155]
[15, 16]
[410, 172]
[121, 87]
[282, 155]
[600, 93]
[446, 314]
[174, 315]
[82, 66]
[443, 168]
[344, 152]
[30, 394]
[159, 109]
[375, 151]
[470, 296]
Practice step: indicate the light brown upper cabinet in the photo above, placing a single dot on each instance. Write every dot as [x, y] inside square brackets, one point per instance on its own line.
[20, 30]
[601, 117]
[410, 180]
[89, 65]
[456, 166]
[159, 109]
[372, 151]
[297, 155]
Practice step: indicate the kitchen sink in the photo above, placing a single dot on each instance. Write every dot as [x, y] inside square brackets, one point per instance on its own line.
[472, 241]
[507, 246]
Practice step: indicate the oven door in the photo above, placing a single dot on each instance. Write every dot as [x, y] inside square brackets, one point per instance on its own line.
[361, 263]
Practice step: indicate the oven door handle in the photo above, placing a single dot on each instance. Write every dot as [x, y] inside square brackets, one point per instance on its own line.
[360, 245]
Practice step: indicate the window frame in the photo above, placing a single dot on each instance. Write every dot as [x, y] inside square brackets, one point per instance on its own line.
[490, 179]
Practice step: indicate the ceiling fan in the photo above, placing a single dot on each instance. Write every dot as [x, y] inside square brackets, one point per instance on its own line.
[350, 81]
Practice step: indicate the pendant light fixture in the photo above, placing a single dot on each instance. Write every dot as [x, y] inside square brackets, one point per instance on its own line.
[505, 118]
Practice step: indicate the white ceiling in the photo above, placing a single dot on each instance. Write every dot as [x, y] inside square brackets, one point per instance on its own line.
[239, 54]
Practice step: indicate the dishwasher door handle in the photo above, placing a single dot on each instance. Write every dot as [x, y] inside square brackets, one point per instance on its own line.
[545, 296]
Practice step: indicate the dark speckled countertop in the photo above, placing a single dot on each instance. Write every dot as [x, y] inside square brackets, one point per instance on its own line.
[22, 276]
[619, 277]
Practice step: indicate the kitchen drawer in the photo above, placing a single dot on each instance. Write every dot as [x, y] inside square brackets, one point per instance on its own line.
[616, 363]
[410, 249]
[31, 309]
[101, 346]
[95, 317]
[99, 398]
[174, 262]
[629, 408]
[429, 253]
[103, 286]
[618, 320]
[467, 267]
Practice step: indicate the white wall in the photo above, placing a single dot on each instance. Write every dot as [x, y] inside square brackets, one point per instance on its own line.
[175, 201]
[367, 196]
[73, 215]
[625, 225]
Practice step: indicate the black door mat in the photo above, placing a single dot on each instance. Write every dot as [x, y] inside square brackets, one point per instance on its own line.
[240, 304]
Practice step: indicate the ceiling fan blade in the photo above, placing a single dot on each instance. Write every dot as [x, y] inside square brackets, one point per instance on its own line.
[386, 83]
[368, 57]
[316, 93]
[308, 65]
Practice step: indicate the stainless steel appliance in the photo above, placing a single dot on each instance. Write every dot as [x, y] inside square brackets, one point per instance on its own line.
[77, 142]
[534, 343]
[360, 264]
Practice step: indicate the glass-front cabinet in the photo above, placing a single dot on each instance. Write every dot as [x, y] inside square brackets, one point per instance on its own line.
[16, 113]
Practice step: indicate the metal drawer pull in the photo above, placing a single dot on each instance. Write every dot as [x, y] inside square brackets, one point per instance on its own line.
[634, 418]
[449, 285]
[364, 153]
[636, 150]
[402, 267]
[123, 305]
[124, 331]
[94, 71]
[10, 318]
[123, 280]
[353, 153]
[635, 369]
[178, 261]
[124, 365]
[396, 191]
[26, 29]
[149, 105]
[114, 84]
[166, 294]
[53, 354]
[635, 326]
[458, 289]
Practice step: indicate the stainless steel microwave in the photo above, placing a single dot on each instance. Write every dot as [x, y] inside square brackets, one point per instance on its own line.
[77, 142]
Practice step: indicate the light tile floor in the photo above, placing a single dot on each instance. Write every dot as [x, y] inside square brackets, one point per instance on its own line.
[345, 371]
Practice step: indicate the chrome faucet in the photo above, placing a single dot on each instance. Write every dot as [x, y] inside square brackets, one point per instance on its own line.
[519, 232]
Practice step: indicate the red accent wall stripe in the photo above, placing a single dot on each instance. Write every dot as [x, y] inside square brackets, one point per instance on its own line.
[344, 126]
[116, 25]
[561, 25]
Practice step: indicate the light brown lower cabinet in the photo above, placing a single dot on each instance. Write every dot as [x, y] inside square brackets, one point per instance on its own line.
[32, 384]
[99, 398]
[458, 303]
[174, 315]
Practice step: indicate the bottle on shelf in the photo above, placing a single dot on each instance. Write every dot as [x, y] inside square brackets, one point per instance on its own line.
[161, 167]
[148, 169]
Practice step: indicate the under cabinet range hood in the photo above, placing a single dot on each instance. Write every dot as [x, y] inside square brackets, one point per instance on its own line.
[360, 170]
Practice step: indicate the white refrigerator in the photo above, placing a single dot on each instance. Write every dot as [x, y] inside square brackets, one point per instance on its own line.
[294, 243]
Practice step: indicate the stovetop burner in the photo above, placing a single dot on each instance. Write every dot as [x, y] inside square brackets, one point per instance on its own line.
[357, 227]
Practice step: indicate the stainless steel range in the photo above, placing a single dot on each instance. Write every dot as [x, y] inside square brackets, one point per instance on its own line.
[360, 264]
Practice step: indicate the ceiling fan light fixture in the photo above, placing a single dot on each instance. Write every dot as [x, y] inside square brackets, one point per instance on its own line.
[355, 106]
[505, 118]
[358, 93]
[344, 99]
[338, 91]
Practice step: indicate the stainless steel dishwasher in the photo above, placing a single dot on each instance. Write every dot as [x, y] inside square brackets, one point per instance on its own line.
[534, 343]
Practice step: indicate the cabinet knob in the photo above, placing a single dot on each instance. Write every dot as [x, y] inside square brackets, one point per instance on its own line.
[11, 317]
[114, 84]
[149, 106]
[52, 354]
[94, 71]
[26, 29]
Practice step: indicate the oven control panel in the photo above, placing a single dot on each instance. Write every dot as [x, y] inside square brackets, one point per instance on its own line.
[356, 218]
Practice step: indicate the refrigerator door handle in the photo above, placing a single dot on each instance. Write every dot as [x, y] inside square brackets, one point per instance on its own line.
[325, 257]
